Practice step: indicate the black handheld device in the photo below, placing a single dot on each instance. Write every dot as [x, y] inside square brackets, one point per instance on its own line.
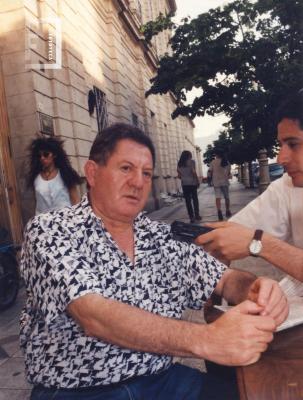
[187, 232]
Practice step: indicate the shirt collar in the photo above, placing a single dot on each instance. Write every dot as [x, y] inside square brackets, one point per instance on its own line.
[84, 207]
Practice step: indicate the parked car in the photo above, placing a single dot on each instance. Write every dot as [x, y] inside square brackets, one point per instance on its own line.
[275, 171]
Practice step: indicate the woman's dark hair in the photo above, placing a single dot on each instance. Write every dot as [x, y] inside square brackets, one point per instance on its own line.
[185, 156]
[105, 143]
[221, 154]
[292, 108]
[55, 146]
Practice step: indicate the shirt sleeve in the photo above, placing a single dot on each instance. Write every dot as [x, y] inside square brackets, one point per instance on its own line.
[54, 270]
[269, 212]
[203, 273]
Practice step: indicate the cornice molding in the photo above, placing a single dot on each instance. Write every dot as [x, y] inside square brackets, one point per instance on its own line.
[133, 24]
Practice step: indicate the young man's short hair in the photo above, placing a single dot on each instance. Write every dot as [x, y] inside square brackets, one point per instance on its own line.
[292, 108]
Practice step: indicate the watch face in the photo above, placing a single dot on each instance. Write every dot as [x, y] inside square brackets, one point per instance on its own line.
[255, 247]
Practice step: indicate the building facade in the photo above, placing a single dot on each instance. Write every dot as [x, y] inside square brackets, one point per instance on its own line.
[59, 55]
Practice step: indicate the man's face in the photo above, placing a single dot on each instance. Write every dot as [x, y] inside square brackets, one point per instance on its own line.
[119, 189]
[290, 136]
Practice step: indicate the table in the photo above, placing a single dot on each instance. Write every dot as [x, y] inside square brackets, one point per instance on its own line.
[278, 375]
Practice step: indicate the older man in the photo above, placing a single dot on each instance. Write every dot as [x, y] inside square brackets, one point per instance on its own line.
[107, 286]
[278, 211]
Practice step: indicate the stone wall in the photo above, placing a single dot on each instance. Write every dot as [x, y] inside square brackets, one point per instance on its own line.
[101, 47]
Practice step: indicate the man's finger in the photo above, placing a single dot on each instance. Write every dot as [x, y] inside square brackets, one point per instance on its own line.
[204, 238]
[248, 307]
[265, 289]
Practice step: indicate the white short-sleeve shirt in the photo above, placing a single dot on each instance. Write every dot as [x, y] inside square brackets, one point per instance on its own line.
[278, 211]
[51, 194]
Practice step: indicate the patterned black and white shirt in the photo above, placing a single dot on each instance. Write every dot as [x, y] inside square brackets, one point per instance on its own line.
[68, 253]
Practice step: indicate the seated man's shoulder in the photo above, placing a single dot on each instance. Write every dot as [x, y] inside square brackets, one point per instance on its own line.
[159, 228]
[56, 220]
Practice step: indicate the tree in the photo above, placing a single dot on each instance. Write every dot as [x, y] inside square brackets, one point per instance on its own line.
[244, 58]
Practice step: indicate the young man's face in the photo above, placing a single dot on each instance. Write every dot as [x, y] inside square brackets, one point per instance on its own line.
[120, 189]
[290, 137]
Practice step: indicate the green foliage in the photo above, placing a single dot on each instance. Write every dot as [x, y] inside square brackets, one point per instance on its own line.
[244, 58]
[209, 154]
[152, 28]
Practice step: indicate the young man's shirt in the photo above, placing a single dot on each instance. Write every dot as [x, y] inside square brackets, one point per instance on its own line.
[278, 211]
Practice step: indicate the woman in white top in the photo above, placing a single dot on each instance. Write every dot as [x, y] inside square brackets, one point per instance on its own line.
[52, 176]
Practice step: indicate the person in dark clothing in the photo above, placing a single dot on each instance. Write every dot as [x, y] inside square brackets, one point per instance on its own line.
[190, 183]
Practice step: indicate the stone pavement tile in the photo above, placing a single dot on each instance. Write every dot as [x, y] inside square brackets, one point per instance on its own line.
[10, 345]
[12, 313]
[11, 328]
[12, 375]
[259, 267]
[14, 394]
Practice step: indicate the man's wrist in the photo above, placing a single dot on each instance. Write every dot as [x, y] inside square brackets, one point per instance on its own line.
[202, 346]
[268, 243]
[255, 246]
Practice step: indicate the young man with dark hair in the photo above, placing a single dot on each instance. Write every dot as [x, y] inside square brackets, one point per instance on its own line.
[272, 224]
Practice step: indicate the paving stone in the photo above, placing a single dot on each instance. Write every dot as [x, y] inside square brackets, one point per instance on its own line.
[12, 374]
[14, 394]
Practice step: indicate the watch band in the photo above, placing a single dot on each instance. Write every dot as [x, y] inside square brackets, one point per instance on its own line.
[258, 234]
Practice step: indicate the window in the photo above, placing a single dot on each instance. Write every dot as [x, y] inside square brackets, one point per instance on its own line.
[101, 108]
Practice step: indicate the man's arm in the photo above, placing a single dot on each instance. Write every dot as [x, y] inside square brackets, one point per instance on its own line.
[283, 255]
[231, 241]
[247, 329]
[237, 338]
[74, 195]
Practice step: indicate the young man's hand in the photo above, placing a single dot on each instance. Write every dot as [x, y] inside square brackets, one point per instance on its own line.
[229, 241]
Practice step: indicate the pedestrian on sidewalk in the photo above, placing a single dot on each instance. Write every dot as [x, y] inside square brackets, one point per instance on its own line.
[190, 182]
[220, 172]
[278, 211]
[51, 175]
[107, 288]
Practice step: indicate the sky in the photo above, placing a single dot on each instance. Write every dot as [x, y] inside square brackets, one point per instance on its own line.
[207, 128]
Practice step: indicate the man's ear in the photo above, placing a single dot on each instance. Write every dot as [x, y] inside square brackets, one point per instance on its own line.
[90, 169]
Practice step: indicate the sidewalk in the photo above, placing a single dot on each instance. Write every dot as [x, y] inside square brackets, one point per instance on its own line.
[13, 385]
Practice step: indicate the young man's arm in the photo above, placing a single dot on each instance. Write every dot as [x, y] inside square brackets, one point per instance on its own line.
[231, 241]
[283, 255]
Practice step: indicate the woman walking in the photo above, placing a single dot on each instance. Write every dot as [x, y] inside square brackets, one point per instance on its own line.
[220, 172]
[190, 183]
[51, 175]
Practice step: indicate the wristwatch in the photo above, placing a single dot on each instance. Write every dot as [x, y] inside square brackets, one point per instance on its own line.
[255, 246]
